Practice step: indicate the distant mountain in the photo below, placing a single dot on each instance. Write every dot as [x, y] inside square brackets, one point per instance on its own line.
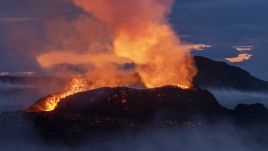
[216, 74]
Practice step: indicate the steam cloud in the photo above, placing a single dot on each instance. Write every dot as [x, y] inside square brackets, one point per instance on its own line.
[117, 32]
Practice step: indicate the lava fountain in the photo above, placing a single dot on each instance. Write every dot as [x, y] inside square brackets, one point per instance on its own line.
[115, 33]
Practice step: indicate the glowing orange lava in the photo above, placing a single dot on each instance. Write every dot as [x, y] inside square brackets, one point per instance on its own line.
[75, 86]
[185, 87]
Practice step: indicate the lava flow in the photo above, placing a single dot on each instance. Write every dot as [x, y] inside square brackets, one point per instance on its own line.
[117, 39]
[49, 103]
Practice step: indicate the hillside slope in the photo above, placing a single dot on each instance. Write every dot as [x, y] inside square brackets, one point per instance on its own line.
[221, 75]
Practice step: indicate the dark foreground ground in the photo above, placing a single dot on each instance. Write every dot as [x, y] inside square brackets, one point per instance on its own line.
[56, 131]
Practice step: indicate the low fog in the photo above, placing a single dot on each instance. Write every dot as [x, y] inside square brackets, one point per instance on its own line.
[221, 137]
[229, 98]
[14, 97]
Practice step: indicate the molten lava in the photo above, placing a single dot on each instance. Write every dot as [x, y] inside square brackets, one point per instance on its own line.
[185, 87]
[75, 86]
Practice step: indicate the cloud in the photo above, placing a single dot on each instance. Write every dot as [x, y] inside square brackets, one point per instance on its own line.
[17, 19]
[4, 73]
[24, 73]
[240, 58]
[55, 1]
[243, 48]
[201, 46]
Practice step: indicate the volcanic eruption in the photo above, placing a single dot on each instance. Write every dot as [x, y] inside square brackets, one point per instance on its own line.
[122, 43]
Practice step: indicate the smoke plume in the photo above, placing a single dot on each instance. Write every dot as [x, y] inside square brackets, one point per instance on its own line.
[119, 32]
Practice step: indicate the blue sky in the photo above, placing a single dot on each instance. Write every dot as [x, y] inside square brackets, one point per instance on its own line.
[224, 24]
[219, 23]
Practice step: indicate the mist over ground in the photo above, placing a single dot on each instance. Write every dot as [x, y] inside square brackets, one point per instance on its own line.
[14, 97]
[20, 134]
[229, 98]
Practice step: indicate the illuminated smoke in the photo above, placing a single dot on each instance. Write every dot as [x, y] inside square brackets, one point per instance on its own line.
[113, 33]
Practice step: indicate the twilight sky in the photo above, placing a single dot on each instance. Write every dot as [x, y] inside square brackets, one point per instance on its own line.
[223, 24]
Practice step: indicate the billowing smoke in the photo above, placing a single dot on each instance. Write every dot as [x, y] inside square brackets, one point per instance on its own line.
[115, 33]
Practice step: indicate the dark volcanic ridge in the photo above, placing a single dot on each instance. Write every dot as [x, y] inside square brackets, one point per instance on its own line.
[216, 74]
[169, 102]
[138, 103]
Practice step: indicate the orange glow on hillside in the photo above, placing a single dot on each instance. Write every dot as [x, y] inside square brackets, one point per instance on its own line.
[76, 85]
